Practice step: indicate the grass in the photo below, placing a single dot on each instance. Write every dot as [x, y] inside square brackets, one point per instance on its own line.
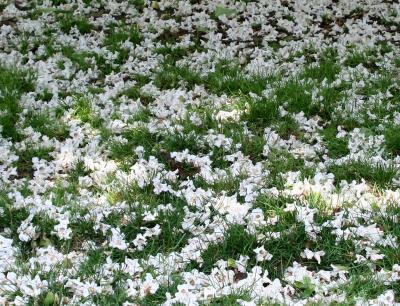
[230, 299]
[281, 162]
[81, 59]
[117, 36]
[24, 163]
[327, 67]
[67, 21]
[392, 139]
[46, 125]
[294, 93]
[135, 137]
[12, 217]
[337, 147]
[83, 110]
[13, 84]
[387, 221]
[365, 286]
[236, 242]
[378, 175]
[261, 113]
[227, 78]
[143, 200]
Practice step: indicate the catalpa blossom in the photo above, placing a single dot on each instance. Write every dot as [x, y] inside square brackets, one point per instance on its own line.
[132, 266]
[262, 254]
[233, 115]
[140, 241]
[307, 253]
[7, 254]
[83, 289]
[62, 230]
[149, 286]
[32, 287]
[229, 206]
[132, 288]
[256, 218]
[117, 239]
[27, 231]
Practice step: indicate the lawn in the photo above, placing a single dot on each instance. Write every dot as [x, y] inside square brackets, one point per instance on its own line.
[194, 152]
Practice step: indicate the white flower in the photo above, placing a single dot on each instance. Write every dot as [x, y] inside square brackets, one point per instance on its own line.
[32, 287]
[131, 290]
[117, 239]
[149, 286]
[140, 242]
[62, 230]
[310, 254]
[132, 266]
[228, 116]
[234, 210]
[373, 254]
[256, 217]
[262, 254]
[7, 254]
[27, 231]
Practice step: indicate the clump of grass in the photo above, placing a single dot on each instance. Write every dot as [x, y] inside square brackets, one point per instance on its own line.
[119, 35]
[139, 4]
[252, 147]
[392, 139]
[231, 299]
[327, 67]
[261, 113]
[378, 175]
[295, 93]
[227, 78]
[46, 125]
[84, 111]
[68, 21]
[136, 137]
[94, 260]
[364, 285]
[337, 147]
[58, 2]
[160, 296]
[171, 76]
[11, 217]
[281, 162]
[237, 242]
[388, 223]
[24, 163]
[13, 83]
[78, 58]
[287, 126]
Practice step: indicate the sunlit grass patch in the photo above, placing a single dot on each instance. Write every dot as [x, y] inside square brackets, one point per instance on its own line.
[365, 286]
[83, 110]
